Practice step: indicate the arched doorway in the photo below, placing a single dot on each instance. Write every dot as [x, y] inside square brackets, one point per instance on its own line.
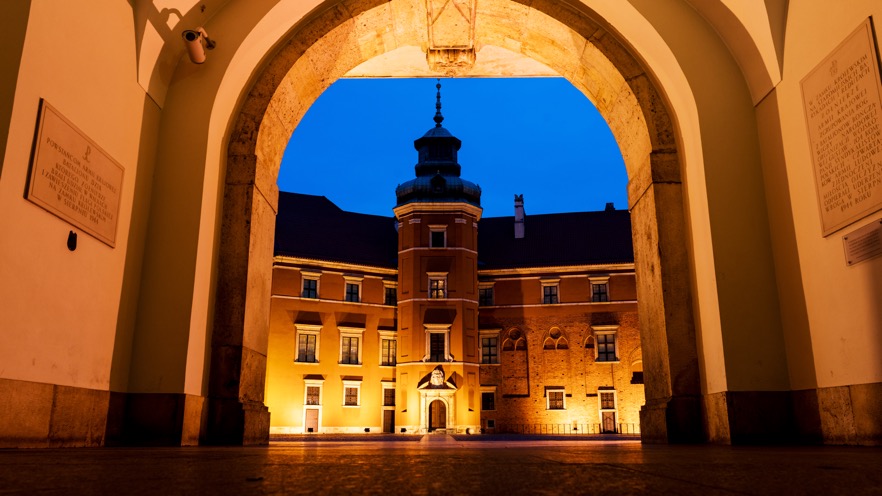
[569, 41]
[437, 415]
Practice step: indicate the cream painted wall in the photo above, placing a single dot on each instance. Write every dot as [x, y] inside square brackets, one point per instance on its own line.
[79, 328]
[60, 309]
[843, 303]
[746, 289]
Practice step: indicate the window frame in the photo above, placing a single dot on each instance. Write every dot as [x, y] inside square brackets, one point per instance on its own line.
[489, 334]
[434, 229]
[352, 384]
[437, 277]
[307, 330]
[317, 383]
[548, 284]
[555, 390]
[599, 282]
[387, 286]
[393, 337]
[352, 281]
[491, 394]
[483, 289]
[599, 331]
[389, 387]
[311, 277]
[443, 329]
[351, 332]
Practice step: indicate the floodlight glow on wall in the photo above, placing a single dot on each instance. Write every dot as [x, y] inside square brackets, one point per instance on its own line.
[197, 41]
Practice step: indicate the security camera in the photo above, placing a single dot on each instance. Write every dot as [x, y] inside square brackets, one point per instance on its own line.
[197, 41]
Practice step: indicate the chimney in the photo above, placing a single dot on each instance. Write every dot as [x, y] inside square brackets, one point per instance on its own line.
[519, 216]
[610, 207]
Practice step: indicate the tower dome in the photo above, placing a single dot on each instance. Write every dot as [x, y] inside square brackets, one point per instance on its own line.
[437, 170]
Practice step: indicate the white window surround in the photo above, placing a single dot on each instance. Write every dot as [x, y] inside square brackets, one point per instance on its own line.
[438, 329]
[392, 336]
[313, 329]
[437, 276]
[356, 280]
[549, 283]
[600, 400]
[433, 228]
[563, 395]
[319, 383]
[593, 280]
[357, 386]
[387, 386]
[606, 330]
[311, 276]
[351, 332]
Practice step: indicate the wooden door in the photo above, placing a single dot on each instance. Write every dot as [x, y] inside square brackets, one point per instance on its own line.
[437, 415]
[609, 421]
[311, 420]
[389, 421]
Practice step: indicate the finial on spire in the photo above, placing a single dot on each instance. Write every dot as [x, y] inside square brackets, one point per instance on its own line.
[438, 117]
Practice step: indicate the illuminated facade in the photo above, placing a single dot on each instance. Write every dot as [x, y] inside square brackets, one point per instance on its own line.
[531, 327]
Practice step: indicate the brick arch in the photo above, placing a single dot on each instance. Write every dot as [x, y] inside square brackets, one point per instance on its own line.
[344, 34]
[513, 341]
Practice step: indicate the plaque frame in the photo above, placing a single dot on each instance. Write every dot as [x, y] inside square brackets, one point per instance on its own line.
[83, 158]
[866, 30]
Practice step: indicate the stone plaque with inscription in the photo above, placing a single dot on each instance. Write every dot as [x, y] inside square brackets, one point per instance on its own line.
[73, 178]
[842, 97]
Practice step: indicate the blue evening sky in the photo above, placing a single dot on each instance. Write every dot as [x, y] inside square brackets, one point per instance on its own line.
[539, 137]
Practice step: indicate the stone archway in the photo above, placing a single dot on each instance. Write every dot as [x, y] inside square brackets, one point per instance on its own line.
[344, 34]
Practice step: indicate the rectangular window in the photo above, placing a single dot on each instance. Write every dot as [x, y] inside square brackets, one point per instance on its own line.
[350, 397]
[438, 237]
[349, 352]
[555, 399]
[310, 288]
[437, 347]
[388, 397]
[391, 296]
[606, 347]
[312, 395]
[306, 348]
[607, 401]
[600, 292]
[485, 297]
[388, 350]
[549, 294]
[488, 401]
[438, 287]
[489, 350]
[352, 290]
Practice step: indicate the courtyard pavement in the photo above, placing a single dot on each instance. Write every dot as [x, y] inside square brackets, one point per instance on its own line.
[442, 464]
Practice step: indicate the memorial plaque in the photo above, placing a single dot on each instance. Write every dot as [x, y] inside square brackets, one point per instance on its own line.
[73, 178]
[863, 244]
[842, 97]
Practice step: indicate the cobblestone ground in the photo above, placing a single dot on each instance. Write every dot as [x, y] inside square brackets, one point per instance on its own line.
[440, 464]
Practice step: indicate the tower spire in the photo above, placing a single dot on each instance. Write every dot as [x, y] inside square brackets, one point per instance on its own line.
[438, 117]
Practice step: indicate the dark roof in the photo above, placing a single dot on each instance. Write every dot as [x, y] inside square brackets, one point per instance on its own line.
[313, 227]
[556, 239]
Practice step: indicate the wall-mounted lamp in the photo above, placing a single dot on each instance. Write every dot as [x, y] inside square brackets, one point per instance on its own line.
[197, 42]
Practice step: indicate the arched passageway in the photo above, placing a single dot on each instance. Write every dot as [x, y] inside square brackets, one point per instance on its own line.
[338, 38]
